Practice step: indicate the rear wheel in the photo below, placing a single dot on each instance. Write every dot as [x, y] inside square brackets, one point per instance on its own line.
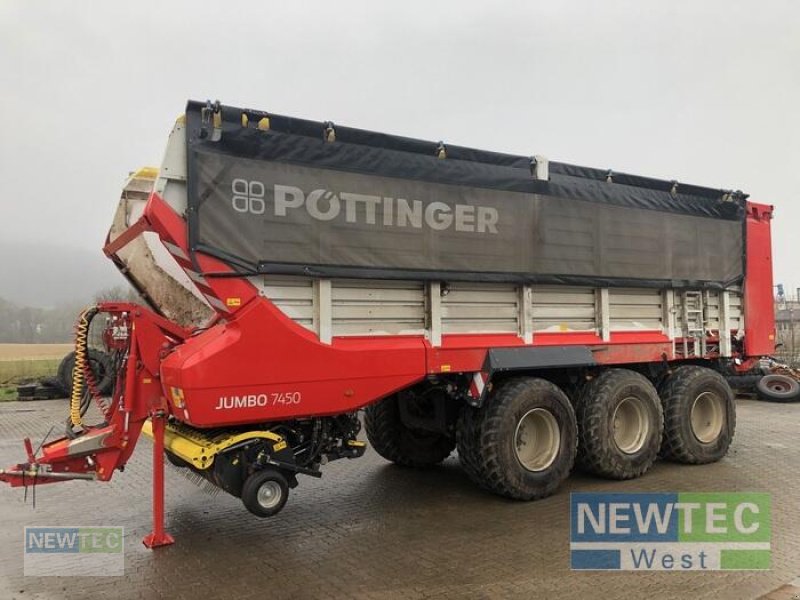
[699, 415]
[778, 388]
[397, 442]
[522, 443]
[620, 424]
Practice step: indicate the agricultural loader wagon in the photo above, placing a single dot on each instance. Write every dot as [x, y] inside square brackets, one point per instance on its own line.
[525, 314]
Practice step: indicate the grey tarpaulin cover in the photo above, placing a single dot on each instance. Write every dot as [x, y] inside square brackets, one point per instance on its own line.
[288, 200]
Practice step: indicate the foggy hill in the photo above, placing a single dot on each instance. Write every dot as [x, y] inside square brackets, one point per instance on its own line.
[44, 276]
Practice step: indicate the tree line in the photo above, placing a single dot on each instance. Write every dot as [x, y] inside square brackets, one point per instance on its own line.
[31, 325]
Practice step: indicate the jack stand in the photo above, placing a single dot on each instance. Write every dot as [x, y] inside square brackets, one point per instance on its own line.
[158, 537]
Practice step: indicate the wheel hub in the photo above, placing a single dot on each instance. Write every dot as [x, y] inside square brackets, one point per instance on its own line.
[537, 439]
[707, 417]
[630, 425]
[269, 494]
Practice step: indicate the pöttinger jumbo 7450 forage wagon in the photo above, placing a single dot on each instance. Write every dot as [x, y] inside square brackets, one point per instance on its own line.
[525, 313]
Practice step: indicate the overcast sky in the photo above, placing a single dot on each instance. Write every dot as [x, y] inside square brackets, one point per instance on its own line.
[702, 92]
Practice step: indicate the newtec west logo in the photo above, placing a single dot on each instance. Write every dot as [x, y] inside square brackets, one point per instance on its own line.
[670, 532]
[74, 551]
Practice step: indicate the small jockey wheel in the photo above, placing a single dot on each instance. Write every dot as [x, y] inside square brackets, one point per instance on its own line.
[265, 492]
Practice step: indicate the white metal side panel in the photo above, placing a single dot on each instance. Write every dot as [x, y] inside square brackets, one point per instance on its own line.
[380, 307]
[668, 315]
[480, 308]
[563, 308]
[377, 307]
[725, 345]
[526, 313]
[711, 302]
[736, 314]
[711, 305]
[321, 290]
[293, 295]
[680, 326]
[634, 309]
[171, 182]
[602, 313]
[433, 308]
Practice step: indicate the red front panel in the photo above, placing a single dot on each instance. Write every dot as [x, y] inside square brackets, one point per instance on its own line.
[467, 352]
[759, 308]
[262, 366]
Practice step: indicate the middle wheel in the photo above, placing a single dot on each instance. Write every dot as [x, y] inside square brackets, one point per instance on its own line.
[620, 423]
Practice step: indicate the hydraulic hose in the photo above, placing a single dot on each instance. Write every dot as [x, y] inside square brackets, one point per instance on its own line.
[81, 365]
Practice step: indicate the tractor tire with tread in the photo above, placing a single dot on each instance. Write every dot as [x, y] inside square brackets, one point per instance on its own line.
[706, 437]
[620, 425]
[101, 367]
[265, 492]
[399, 444]
[488, 439]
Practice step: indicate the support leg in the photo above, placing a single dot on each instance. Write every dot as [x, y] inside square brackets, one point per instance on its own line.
[158, 537]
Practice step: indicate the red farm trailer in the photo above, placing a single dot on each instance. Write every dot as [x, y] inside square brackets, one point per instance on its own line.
[525, 313]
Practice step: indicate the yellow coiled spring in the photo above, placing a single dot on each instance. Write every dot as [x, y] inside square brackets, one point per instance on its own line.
[81, 361]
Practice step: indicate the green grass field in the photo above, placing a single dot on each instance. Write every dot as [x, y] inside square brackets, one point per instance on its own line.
[27, 369]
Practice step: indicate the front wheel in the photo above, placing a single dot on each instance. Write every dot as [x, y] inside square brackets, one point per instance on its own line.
[399, 443]
[265, 492]
[521, 444]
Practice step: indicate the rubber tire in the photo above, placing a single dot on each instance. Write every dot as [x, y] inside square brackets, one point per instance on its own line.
[250, 492]
[55, 383]
[397, 443]
[597, 451]
[678, 393]
[486, 439]
[765, 393]
[101, 366]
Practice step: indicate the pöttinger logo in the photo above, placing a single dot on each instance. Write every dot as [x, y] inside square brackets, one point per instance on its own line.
[64, 551]
[670, 532]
